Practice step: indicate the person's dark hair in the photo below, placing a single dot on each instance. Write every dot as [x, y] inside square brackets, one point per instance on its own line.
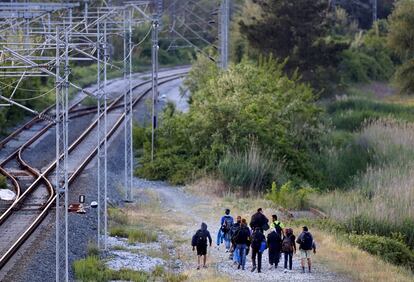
[238, 219]
[257, 229]
[227, 212]
[274, 217]
[305, 228]
[244, 221]
[259, 210]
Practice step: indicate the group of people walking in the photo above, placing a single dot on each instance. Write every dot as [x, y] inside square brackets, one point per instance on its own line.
[238, 239]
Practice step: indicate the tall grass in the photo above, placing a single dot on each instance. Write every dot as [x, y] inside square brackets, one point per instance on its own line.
[382, 197]
[251, 170]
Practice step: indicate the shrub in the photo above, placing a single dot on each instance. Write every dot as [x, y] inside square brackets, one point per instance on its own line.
[250, 170]
[117, 216]
[390, 250]
[290, 197]
[93, 269]
[229, 109]
[3, 182]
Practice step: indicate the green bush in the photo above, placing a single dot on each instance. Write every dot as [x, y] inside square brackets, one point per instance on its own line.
[251, 170]
[289, 197]
[3, 182]
[390, 250]
[249, 101]
[93, 269]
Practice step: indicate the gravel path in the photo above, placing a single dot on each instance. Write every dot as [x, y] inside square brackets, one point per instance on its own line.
[197, 209]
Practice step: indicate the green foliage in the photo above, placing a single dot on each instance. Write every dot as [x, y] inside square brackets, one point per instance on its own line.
[390, 250]
[229, 109]
[369, 57]
[138, 137]
[290, 197]
[117, 216]
[3, 182]
[93, 269]
[251, 170]
[133, 234]
[400, 40]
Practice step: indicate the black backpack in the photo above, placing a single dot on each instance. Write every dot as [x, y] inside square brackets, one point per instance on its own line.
[287, 245]
[227, 224]
[306, 242]
[257, 240]
[199, 239]
[278, 228]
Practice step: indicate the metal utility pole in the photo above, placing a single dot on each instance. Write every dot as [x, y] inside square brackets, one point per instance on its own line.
[224, 33]
[99, 134]
[128, 148]
[374, 10]
[155, 26]
[62, 146]
[106, 57]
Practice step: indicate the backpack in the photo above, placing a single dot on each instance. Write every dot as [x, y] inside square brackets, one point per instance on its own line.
[227, 224]
[306, 242]
[287, 245]
[199, 239]
[256, 240]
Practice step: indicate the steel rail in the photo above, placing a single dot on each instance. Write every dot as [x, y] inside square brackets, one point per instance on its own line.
[22, 238]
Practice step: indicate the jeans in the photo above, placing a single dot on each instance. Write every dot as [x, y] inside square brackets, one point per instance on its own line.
[242, 254]
[220, 237]
[236, 256]
[227, 240]
[288, 256]
[259, 259]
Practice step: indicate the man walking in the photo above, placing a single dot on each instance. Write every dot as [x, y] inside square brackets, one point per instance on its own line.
[199, 242]
[306, 245]
[259, 220]
[224, 233]
[242, 240]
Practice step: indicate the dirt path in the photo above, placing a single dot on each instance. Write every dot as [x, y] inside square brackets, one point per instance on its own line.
[192, 210]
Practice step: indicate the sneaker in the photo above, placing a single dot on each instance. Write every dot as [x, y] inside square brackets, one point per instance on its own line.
[259, 271]
[254, 268]
[271, 267]
[238, 267]
[204, 266]
[285, 270]
[198, 268]
[227, 250]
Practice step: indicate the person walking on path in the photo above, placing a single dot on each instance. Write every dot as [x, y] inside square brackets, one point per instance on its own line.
[199, 242]
[258, 246]
[242, 240]
[226, 223]
[274, 242]
[234, 254]
[306, 245]
[276, 224]
[288, 247]
[259, 220]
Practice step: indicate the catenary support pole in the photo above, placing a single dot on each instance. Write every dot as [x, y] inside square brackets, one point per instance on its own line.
[155, 26]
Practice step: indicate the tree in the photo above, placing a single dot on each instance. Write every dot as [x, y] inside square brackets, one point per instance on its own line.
[401, 41]
[296, 30]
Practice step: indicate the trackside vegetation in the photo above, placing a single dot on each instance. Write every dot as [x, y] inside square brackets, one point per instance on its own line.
[247, 121]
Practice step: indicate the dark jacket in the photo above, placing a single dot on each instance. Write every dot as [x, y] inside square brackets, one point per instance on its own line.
[242, 236]
[258, 220]
[205, 233]
[257, 239]
[274, 241]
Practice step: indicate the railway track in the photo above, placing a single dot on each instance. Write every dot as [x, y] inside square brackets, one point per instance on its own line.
[33, 203]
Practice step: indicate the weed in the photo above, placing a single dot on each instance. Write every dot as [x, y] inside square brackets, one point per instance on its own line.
[133, 234]
[289, 197]
[3, 182]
